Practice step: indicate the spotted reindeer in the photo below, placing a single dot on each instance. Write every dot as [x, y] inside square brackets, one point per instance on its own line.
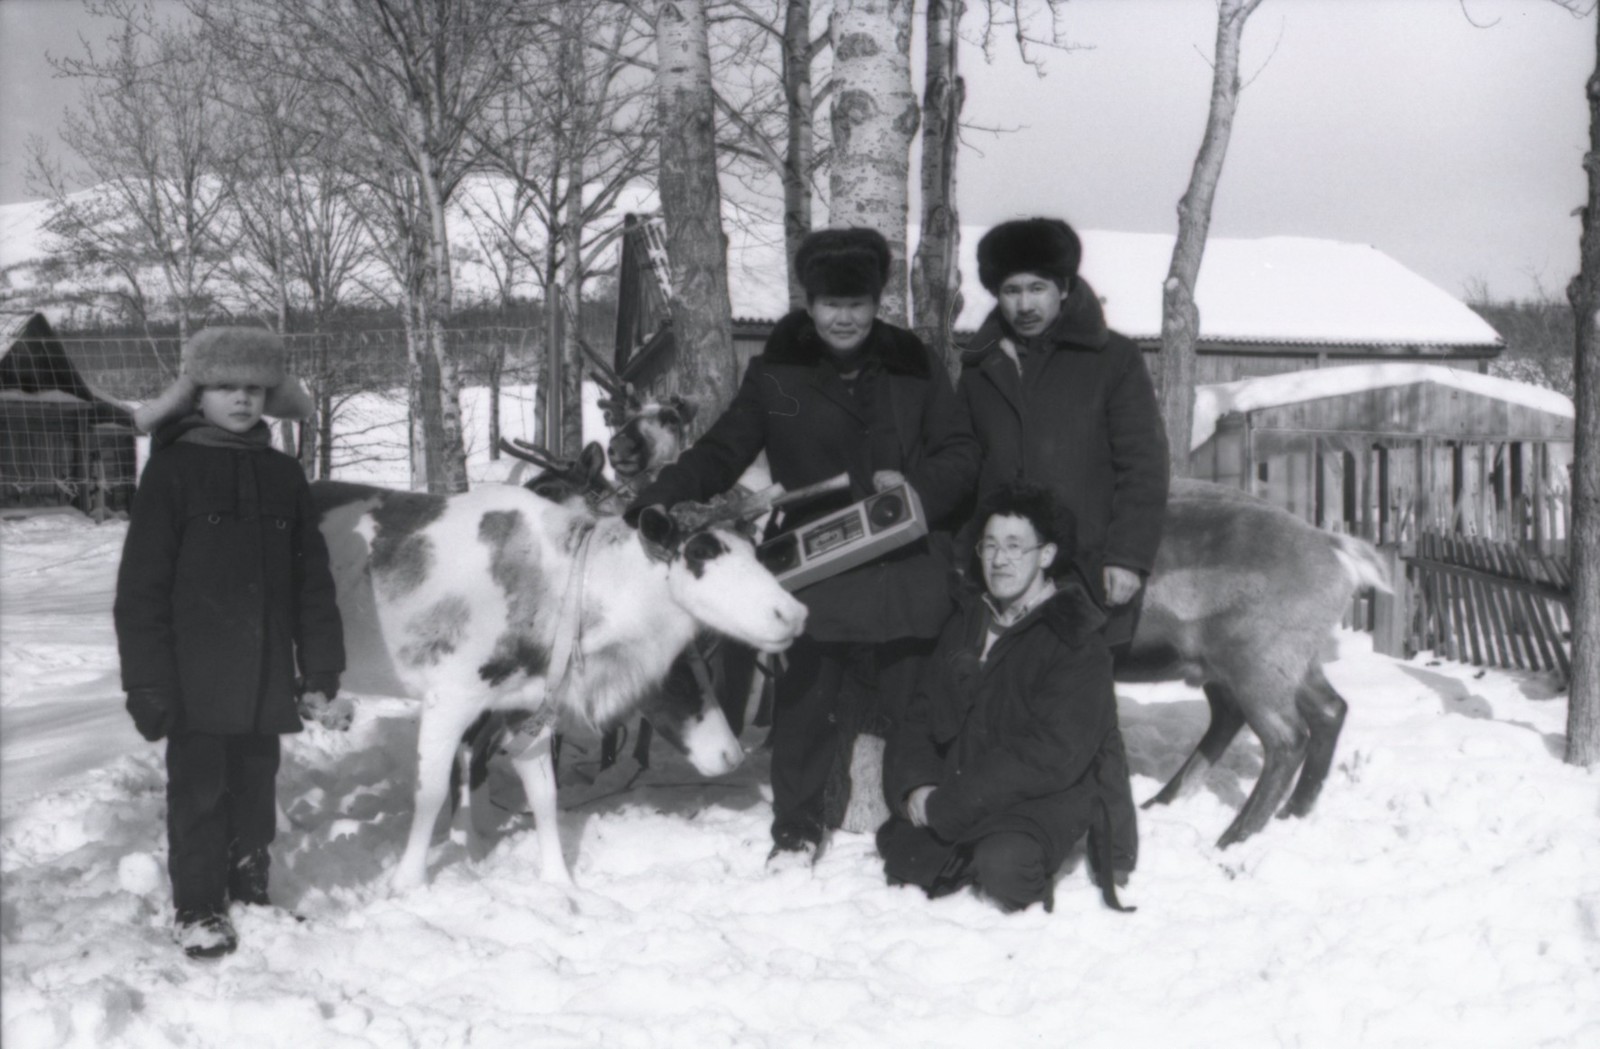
[500, 600]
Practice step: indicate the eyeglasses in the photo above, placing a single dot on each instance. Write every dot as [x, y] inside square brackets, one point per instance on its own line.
[989, 550]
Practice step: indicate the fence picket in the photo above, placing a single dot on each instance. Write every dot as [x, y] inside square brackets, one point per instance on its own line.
[1490, 603]
[1546, 622]
[1469, 603]
[1478, 557]
[1457, 605]
[1447, 629]
[1515, 638]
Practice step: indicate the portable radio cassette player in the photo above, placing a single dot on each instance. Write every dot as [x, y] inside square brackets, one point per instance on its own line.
[845, 538]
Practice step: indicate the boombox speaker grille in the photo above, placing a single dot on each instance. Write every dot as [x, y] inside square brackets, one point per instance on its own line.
[886, 511]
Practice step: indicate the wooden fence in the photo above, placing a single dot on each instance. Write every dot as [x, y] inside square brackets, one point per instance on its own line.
[1489, 603]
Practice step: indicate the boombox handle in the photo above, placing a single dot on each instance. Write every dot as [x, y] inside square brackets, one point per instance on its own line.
[837, 483]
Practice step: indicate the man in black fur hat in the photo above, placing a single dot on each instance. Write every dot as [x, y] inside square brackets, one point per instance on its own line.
[1059, 399]
[836, 390]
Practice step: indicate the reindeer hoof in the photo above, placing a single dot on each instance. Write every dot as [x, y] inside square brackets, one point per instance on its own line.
[407, 878]
[1164, 797]
[1233, 836]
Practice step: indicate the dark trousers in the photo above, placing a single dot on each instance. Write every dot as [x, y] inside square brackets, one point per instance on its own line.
[221, 810]
[1013, 868]
[828, 694]
[1111, 778]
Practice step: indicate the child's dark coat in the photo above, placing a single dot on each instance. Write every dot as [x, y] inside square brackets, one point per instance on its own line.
[224, 579]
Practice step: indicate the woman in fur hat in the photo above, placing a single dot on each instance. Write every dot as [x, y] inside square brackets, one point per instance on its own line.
[1059, 399]
[835, 390]
[223, 589]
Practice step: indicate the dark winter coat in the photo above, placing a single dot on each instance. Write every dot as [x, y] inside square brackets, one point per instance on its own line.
[1009, 744]
[1085, 424]
[224, 582]
[793, 405]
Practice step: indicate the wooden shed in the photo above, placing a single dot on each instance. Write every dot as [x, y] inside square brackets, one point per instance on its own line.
[1388, 450]
[61, 443]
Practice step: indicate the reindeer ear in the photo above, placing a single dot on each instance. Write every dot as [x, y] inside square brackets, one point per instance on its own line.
[658, 532]
[684, 408]
[593, 461]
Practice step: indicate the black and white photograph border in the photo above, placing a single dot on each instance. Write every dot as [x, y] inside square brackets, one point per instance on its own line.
[1384, 353]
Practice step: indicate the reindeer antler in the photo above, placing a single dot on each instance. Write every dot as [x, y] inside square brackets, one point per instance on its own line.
[621, 399]
[725, 509]
[729, 508]
[532, 453]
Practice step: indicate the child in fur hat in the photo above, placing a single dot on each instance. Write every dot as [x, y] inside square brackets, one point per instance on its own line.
[223, 588]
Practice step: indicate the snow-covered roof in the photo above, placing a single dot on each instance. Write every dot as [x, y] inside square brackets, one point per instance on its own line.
[1281, 290]
[1212, 402]
[12, 325]
[1277, 290]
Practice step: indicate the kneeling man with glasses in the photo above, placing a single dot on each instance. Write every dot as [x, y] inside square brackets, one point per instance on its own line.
[992, 774]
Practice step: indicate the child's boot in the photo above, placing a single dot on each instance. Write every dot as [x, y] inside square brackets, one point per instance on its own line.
[206, 935]
[247, 877]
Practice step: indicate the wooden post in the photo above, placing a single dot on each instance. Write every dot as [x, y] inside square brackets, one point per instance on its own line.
[1247, 456]
[1311, 513]
[1391, 617]
[1319, 516]
[1384, 483]
[1541, 465]
[1485, 510]
[1366, 494]
[1516, 485]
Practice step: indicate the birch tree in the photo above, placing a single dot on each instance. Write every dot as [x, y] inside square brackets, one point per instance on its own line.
[1180, 318]
[800, 50]
[151, 131]
[765, 93]
[410, 78]
[935, 275]
[1583, 696]
[573, 132]
[303, 247]
[874, 119]
[691, 207]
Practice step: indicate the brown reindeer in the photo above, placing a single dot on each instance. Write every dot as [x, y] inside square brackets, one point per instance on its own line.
[1241, 602]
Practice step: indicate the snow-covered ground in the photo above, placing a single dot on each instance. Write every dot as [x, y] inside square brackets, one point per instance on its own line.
[1446, 892]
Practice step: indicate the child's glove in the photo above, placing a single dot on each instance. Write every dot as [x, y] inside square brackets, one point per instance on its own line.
[320, 702]
[154, 711]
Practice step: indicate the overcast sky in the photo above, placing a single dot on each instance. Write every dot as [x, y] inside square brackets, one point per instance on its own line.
[1397, 123]
[1394, 123]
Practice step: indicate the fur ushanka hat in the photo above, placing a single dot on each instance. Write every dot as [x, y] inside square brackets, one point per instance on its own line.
[846, 262]
[1047, 247]
[229, 356]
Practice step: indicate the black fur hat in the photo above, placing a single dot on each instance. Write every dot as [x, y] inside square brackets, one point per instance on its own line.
[846, 262]
[1047, 247]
